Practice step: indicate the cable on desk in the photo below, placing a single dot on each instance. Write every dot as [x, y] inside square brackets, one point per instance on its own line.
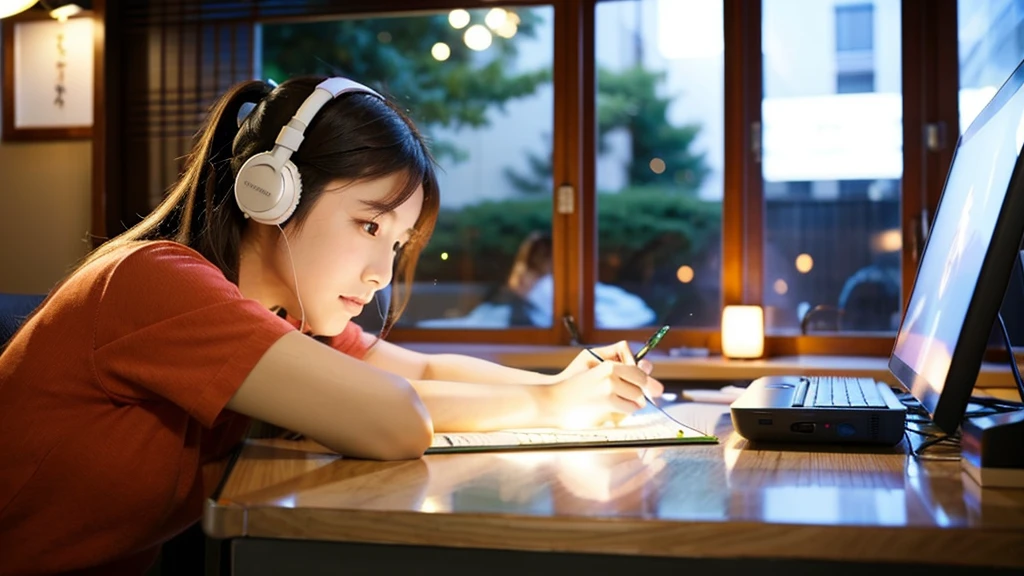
[917, 415]
[918, 422]
[924, 452]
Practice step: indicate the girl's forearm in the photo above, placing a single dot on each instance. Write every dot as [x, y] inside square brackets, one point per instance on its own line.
[460, 368]
[471, 407]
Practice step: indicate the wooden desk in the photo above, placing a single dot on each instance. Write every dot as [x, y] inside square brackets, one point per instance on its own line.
[292, 507]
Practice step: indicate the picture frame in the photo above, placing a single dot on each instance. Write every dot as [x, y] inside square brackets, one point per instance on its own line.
[47, 78]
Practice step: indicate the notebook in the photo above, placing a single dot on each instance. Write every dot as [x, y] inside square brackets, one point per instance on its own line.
[649, 426]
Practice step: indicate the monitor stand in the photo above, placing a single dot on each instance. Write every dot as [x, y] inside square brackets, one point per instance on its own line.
[993, 446]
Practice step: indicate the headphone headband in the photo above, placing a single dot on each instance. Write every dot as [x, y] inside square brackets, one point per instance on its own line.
[268, 186]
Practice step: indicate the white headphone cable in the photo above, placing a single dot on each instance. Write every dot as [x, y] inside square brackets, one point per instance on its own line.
[376, 299]
[295, 278]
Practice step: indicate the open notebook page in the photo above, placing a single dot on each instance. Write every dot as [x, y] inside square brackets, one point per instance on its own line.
[648, 426]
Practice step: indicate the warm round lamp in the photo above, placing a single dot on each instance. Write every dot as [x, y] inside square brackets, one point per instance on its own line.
[743, 332]
[12, 7]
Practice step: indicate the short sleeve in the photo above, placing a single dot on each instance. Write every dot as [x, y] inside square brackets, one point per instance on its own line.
[170, 325]
[350, 341]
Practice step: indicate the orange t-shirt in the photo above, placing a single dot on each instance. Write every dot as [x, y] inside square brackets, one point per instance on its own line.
[112, 397]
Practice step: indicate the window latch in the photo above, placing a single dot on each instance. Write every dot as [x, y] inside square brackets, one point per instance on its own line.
[755, 141]
[565, 202]
[935, 136]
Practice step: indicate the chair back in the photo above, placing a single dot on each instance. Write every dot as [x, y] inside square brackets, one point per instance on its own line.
[14, 308]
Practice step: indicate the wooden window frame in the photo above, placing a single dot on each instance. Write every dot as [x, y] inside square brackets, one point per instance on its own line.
[930, 69]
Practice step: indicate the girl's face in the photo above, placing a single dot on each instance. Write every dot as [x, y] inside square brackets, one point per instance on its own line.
[345, 251]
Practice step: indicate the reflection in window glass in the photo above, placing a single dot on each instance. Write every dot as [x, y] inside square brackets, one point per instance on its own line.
[991, 44]
[832, 162]
[478, 83]
[659, 165]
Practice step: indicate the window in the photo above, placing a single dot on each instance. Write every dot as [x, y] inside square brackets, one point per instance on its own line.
[478, 83]
[991, 45]
[659, 94]
[855, 28]
[773, 164]
[855, 49]
[855, 82]
[831, 251]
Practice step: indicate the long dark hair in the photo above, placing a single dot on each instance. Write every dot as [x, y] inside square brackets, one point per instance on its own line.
[355, 136]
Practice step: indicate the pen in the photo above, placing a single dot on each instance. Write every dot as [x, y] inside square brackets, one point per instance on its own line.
[648, 346]
[651, 343]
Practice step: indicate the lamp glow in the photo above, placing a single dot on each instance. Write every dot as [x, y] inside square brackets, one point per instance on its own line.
[685, 274]
[743, 332]
[477, 37]
[66, 11]
[12, 7]
[440, 51]
[458, 18]
[508, 29]
[496, 18]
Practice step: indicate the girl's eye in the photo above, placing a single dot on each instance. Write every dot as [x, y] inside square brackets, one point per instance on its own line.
[371, 228]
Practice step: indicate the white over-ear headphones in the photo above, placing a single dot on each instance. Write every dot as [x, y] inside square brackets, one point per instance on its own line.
[268, 185]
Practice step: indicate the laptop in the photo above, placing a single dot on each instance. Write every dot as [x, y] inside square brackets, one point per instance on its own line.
[961, 280]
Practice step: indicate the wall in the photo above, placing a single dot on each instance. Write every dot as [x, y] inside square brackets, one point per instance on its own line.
[45, 191]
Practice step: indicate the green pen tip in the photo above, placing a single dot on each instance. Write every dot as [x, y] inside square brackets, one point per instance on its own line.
[658, 336]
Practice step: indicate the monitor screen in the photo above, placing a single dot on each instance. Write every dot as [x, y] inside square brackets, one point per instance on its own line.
[967, 260]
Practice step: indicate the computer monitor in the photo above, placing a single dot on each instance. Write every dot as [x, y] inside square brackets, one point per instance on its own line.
[966, 263]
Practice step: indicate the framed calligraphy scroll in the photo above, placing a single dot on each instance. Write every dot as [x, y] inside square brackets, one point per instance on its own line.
[47, 79]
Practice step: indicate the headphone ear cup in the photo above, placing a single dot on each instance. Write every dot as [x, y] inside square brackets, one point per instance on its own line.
[265, 193]
[291, 190]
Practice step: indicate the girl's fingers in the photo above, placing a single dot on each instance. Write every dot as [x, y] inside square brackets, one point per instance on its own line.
[624, 353]
[629, 392]
[618, 352]
[646, 366]
[622, 406]
[630, 374]
[654, 388]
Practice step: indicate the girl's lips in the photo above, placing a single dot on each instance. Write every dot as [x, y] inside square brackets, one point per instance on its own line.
[352, 305]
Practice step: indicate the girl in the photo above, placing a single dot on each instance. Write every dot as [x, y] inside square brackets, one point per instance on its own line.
[145, 362]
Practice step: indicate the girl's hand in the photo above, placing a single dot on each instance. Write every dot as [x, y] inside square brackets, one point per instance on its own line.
[605, 391]
[618, 352]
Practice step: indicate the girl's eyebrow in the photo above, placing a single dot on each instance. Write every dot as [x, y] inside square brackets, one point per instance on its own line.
[379, 207]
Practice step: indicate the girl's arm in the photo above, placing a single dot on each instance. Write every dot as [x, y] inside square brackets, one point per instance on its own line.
[445, 367]
[345, 404]
[468, 394]
[465, 407]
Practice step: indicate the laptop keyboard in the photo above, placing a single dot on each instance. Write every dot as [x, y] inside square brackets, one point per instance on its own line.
[832, 392]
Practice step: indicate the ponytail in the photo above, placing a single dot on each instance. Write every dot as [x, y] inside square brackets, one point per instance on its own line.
[194, 213]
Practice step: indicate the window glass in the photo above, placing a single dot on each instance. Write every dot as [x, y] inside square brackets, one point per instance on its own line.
[832, 162]
[478, 84]
[991, 43]
[854, 27]
[660, 152]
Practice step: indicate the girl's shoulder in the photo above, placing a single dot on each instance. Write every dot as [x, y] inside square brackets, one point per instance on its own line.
[147, 258]
[147, 250]
[149, 270]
